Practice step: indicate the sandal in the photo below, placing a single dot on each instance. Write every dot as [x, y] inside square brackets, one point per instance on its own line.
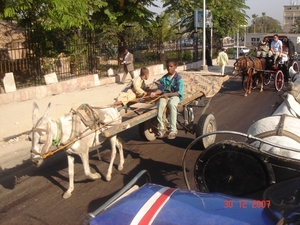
[172, 135]
[161, 134]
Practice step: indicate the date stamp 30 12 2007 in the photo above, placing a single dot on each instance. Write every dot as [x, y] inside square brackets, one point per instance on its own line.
[245, 203]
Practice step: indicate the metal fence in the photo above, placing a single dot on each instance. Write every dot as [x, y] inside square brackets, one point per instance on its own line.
[79, 59]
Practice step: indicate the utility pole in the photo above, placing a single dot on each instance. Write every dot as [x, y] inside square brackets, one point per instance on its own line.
[204, 66]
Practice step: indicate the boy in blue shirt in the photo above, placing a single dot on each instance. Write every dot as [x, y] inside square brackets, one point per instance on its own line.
[171, 89]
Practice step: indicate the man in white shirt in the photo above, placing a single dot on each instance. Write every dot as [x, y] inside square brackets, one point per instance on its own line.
[276, 48]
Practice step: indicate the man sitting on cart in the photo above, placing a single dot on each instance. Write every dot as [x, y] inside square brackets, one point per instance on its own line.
[135, 89]
[276, 48]
[263, 48]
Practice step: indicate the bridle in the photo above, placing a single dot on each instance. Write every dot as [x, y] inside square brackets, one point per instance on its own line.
[239, 64]
[45, 138]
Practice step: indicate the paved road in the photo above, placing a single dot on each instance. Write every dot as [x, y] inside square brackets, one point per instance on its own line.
[34, 196]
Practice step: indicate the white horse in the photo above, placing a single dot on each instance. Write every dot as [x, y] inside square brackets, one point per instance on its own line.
[70, 131]
[283, 126]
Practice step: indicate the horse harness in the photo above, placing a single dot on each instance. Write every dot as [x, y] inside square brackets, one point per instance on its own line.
[43, 132]
[239, 64]
[84, 113]
[248, 59]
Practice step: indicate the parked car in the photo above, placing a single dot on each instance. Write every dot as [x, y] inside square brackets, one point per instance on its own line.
[242, 50]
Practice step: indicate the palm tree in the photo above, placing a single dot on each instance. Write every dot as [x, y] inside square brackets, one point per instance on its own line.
[296, 27]
[254, 16]
[263, 20]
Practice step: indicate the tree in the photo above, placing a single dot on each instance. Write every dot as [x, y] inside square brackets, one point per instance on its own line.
[111, 18]
[227, 15]
[254, 17]
[270, 25]
[263, 21]
[296, 27]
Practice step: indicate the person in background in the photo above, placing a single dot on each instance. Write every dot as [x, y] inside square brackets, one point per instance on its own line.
[135, 89]
[285, 51]
[276, 48]
[222, 60]
[171, 91]
[263, 48]
[127, 63]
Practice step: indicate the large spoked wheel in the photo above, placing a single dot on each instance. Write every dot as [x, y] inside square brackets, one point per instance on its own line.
[232, 168]
[279, 80]
[295, 66]
[148, 129]
[267, 79]
[206, 124]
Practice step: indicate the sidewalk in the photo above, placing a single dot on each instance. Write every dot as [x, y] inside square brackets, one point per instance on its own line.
[16, 117]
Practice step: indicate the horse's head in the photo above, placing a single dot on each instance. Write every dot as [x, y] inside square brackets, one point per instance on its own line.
[238, 66]
[40, 135]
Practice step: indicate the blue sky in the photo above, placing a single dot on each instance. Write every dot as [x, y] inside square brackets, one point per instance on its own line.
[272, 8]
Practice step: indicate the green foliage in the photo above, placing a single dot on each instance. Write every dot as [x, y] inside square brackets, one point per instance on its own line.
[296, 27]
[231, 51]
[187, 55]
[264, 24]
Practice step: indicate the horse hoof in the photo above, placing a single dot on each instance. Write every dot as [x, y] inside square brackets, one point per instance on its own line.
[67, 195]
[108, 178]
[95, 176]
[120, 167]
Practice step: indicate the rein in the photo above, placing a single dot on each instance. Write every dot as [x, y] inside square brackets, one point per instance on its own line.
[85, 133]
[239, 63]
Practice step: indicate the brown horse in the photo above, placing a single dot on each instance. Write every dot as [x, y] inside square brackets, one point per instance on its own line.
[249, 67]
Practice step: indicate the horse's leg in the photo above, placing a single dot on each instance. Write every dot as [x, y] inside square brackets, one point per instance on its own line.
[262, 82]
[120, 147]
[248, 87]
[113, 141]
[245, 83]
[68, 193]
[86, 166]
[250, 81]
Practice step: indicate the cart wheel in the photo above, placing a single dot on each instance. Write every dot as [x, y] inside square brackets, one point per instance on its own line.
[232, 168]
[279, 80]
[148, 129]
[295, 66]
[206, 124]
[245, 83]
[267, 79]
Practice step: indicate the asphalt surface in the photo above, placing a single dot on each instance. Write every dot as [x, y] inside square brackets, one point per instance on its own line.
[16, 117]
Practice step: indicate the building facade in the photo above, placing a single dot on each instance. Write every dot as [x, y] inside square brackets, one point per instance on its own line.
[290, 14]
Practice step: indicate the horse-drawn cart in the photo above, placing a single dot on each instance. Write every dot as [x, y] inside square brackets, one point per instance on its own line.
[280, 72]
[265, 69]
[87, 127]
[144, 113]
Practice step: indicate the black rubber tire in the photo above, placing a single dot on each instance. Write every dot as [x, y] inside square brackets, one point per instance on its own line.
[295, 66]
[232, 168]
[206, 124]
[279, 80]
[148, 129]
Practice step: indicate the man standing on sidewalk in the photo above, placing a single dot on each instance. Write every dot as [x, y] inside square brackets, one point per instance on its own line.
[128, 65]
[222, 60]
